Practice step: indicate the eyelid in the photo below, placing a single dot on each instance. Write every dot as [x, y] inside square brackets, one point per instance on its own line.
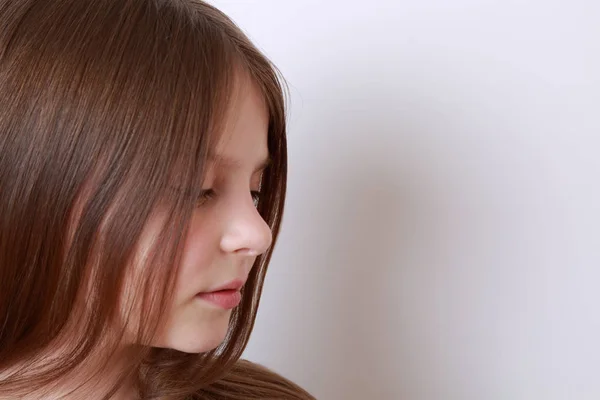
[208, 194]
[205, 195]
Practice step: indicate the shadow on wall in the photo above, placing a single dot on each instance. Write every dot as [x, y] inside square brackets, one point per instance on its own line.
[376, 230]
[370, 322]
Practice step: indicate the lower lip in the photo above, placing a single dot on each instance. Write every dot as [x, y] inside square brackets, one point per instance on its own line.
[226, 299]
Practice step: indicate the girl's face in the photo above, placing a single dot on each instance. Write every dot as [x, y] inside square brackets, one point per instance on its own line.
[226, 233]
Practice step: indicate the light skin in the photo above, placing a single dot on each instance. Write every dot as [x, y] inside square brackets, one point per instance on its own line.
[226, 233]
[225, 236]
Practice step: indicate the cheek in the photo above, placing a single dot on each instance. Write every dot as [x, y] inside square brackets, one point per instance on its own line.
[199, 254]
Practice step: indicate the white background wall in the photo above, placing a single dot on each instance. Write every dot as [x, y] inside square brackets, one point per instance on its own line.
[441, 238]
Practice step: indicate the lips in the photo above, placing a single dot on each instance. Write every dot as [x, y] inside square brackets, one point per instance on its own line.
[236, 284]
[226, 296]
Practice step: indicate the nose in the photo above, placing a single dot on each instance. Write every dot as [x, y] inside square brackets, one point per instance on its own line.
[246, 232]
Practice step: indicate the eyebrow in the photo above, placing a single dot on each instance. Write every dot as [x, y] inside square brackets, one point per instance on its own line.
[234, 164]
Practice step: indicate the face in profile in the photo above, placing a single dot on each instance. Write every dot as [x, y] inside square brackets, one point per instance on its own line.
[226, 233]
[105, 262]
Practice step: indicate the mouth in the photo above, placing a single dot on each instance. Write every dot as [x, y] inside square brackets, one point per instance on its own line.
[226, 296]
[226, 299]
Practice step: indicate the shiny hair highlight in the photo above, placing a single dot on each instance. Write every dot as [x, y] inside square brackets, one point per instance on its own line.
[106, 103]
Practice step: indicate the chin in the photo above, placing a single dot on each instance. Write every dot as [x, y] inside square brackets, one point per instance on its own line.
[192, 338]
[198, 345]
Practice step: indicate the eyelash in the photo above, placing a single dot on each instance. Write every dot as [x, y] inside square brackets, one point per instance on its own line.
[209, 194]
[255, 197]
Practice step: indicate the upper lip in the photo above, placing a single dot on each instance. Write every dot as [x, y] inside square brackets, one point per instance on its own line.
[235, 284]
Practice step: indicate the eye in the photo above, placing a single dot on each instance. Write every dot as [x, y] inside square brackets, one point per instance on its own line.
[256, 197]
[205, 195]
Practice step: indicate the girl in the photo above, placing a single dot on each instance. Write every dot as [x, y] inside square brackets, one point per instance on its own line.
[142, 182]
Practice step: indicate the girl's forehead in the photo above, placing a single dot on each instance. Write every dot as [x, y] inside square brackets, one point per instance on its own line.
[243, 142]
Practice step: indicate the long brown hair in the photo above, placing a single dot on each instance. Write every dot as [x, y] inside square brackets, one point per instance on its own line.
[104, 104]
